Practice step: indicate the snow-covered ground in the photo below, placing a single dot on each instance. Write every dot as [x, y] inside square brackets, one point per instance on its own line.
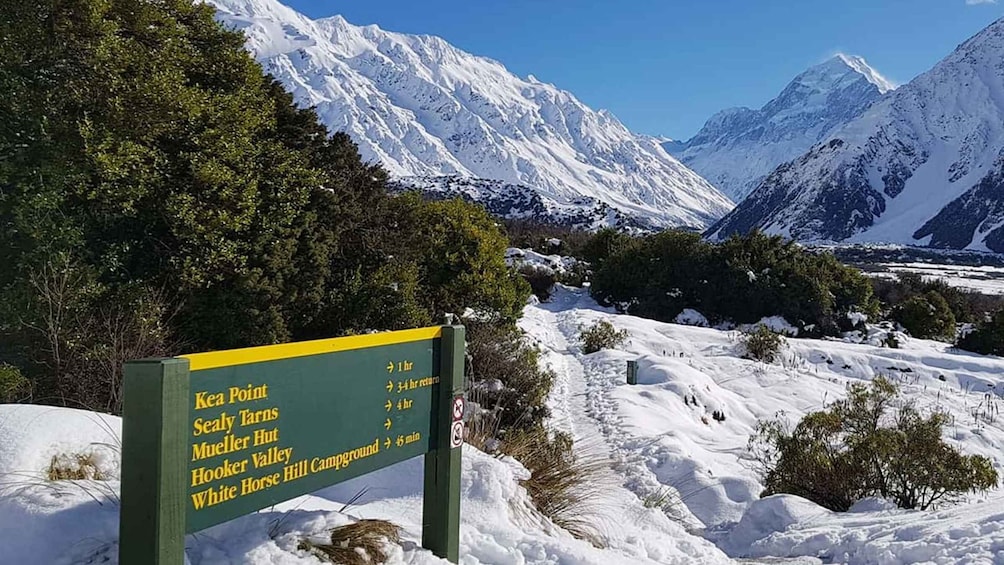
[984, 279]
[656, 440]
[657, 445]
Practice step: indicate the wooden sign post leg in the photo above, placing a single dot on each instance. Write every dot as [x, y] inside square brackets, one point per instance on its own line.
[154, 440]
[441, 507]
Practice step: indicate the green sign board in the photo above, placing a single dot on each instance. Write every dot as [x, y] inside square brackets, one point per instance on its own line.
[212, 436]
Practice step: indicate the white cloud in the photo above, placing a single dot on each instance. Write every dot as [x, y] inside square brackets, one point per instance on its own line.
[976, 2]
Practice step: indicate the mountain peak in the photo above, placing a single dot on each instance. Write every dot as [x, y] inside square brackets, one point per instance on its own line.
[923, 166]
[839, 70]
[738, 147]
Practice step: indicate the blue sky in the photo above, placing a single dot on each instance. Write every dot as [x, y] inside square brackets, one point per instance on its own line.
[664, 66]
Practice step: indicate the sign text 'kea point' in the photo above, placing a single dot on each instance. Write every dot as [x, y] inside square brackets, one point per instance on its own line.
[212, 436]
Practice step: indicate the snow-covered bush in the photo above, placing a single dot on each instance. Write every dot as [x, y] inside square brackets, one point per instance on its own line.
[987, 338]
[357, 543]
[864, 446]
[601, 335]
[541, 280]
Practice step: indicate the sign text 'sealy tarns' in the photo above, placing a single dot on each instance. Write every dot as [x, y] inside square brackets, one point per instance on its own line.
[212, 436]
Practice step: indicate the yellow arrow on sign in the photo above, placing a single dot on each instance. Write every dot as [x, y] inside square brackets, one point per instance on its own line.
[390, 367]
[387, 424]
[386, 443]
[388, 406]
[390, 386]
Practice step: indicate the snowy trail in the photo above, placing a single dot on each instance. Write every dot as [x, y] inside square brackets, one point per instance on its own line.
[582, 405]
[661, 438]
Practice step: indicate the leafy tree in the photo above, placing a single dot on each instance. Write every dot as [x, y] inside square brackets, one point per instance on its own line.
[603, 244]
[157, 189]
[460, 253]
[864, 446]
[926, 316]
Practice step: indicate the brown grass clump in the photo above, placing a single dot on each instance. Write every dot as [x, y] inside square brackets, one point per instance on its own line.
[358, 543]
[565, 486]
[75, 467]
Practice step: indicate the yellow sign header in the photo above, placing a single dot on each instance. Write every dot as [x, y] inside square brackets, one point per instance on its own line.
[227, 358]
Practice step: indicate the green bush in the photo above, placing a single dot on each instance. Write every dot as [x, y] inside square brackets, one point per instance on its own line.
[926, 316]
[601, 335]
[14, 386]
[863, 446]
[742, 280]
[762, 344]
[967, 306]
[505, 380]
[987, 338]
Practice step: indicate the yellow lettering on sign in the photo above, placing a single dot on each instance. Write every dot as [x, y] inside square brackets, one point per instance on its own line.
[295, 471]
[412, 384]
[252, 417]
[222, 423]
[203, 475]
[271, 456]
[247, 393]
[251, 484]
[213, 496]
[205, 400]
[230, 444]
[262, 437]
[344, 459]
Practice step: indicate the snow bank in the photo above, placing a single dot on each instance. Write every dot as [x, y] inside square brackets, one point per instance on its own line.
[768, 516]
[690, 317]
[555, 264]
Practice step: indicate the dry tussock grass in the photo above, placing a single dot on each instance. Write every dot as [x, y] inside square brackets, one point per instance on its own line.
[566, 486]
[75, 467]
[358, 543]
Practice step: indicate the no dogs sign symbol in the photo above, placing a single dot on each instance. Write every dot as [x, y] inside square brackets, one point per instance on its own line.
[457, 434]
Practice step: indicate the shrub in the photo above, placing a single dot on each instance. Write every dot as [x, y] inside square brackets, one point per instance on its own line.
[601, 335]
[602, 244]
[14, 386]
[762, 344]
[926, 316]
[742, 279]
[505, 380]
[987, 338]
[967, 306]
[862, 446]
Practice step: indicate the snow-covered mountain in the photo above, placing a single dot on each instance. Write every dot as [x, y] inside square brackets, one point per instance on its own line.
[738, 147]
[521, 202]
[422, 107]
[923, 165]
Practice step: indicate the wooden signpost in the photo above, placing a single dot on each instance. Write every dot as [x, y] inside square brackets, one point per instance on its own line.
[212, 436]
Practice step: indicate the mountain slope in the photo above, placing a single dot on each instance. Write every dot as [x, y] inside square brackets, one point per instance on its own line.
[922, 166]
[423, 108]
[738, 147]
